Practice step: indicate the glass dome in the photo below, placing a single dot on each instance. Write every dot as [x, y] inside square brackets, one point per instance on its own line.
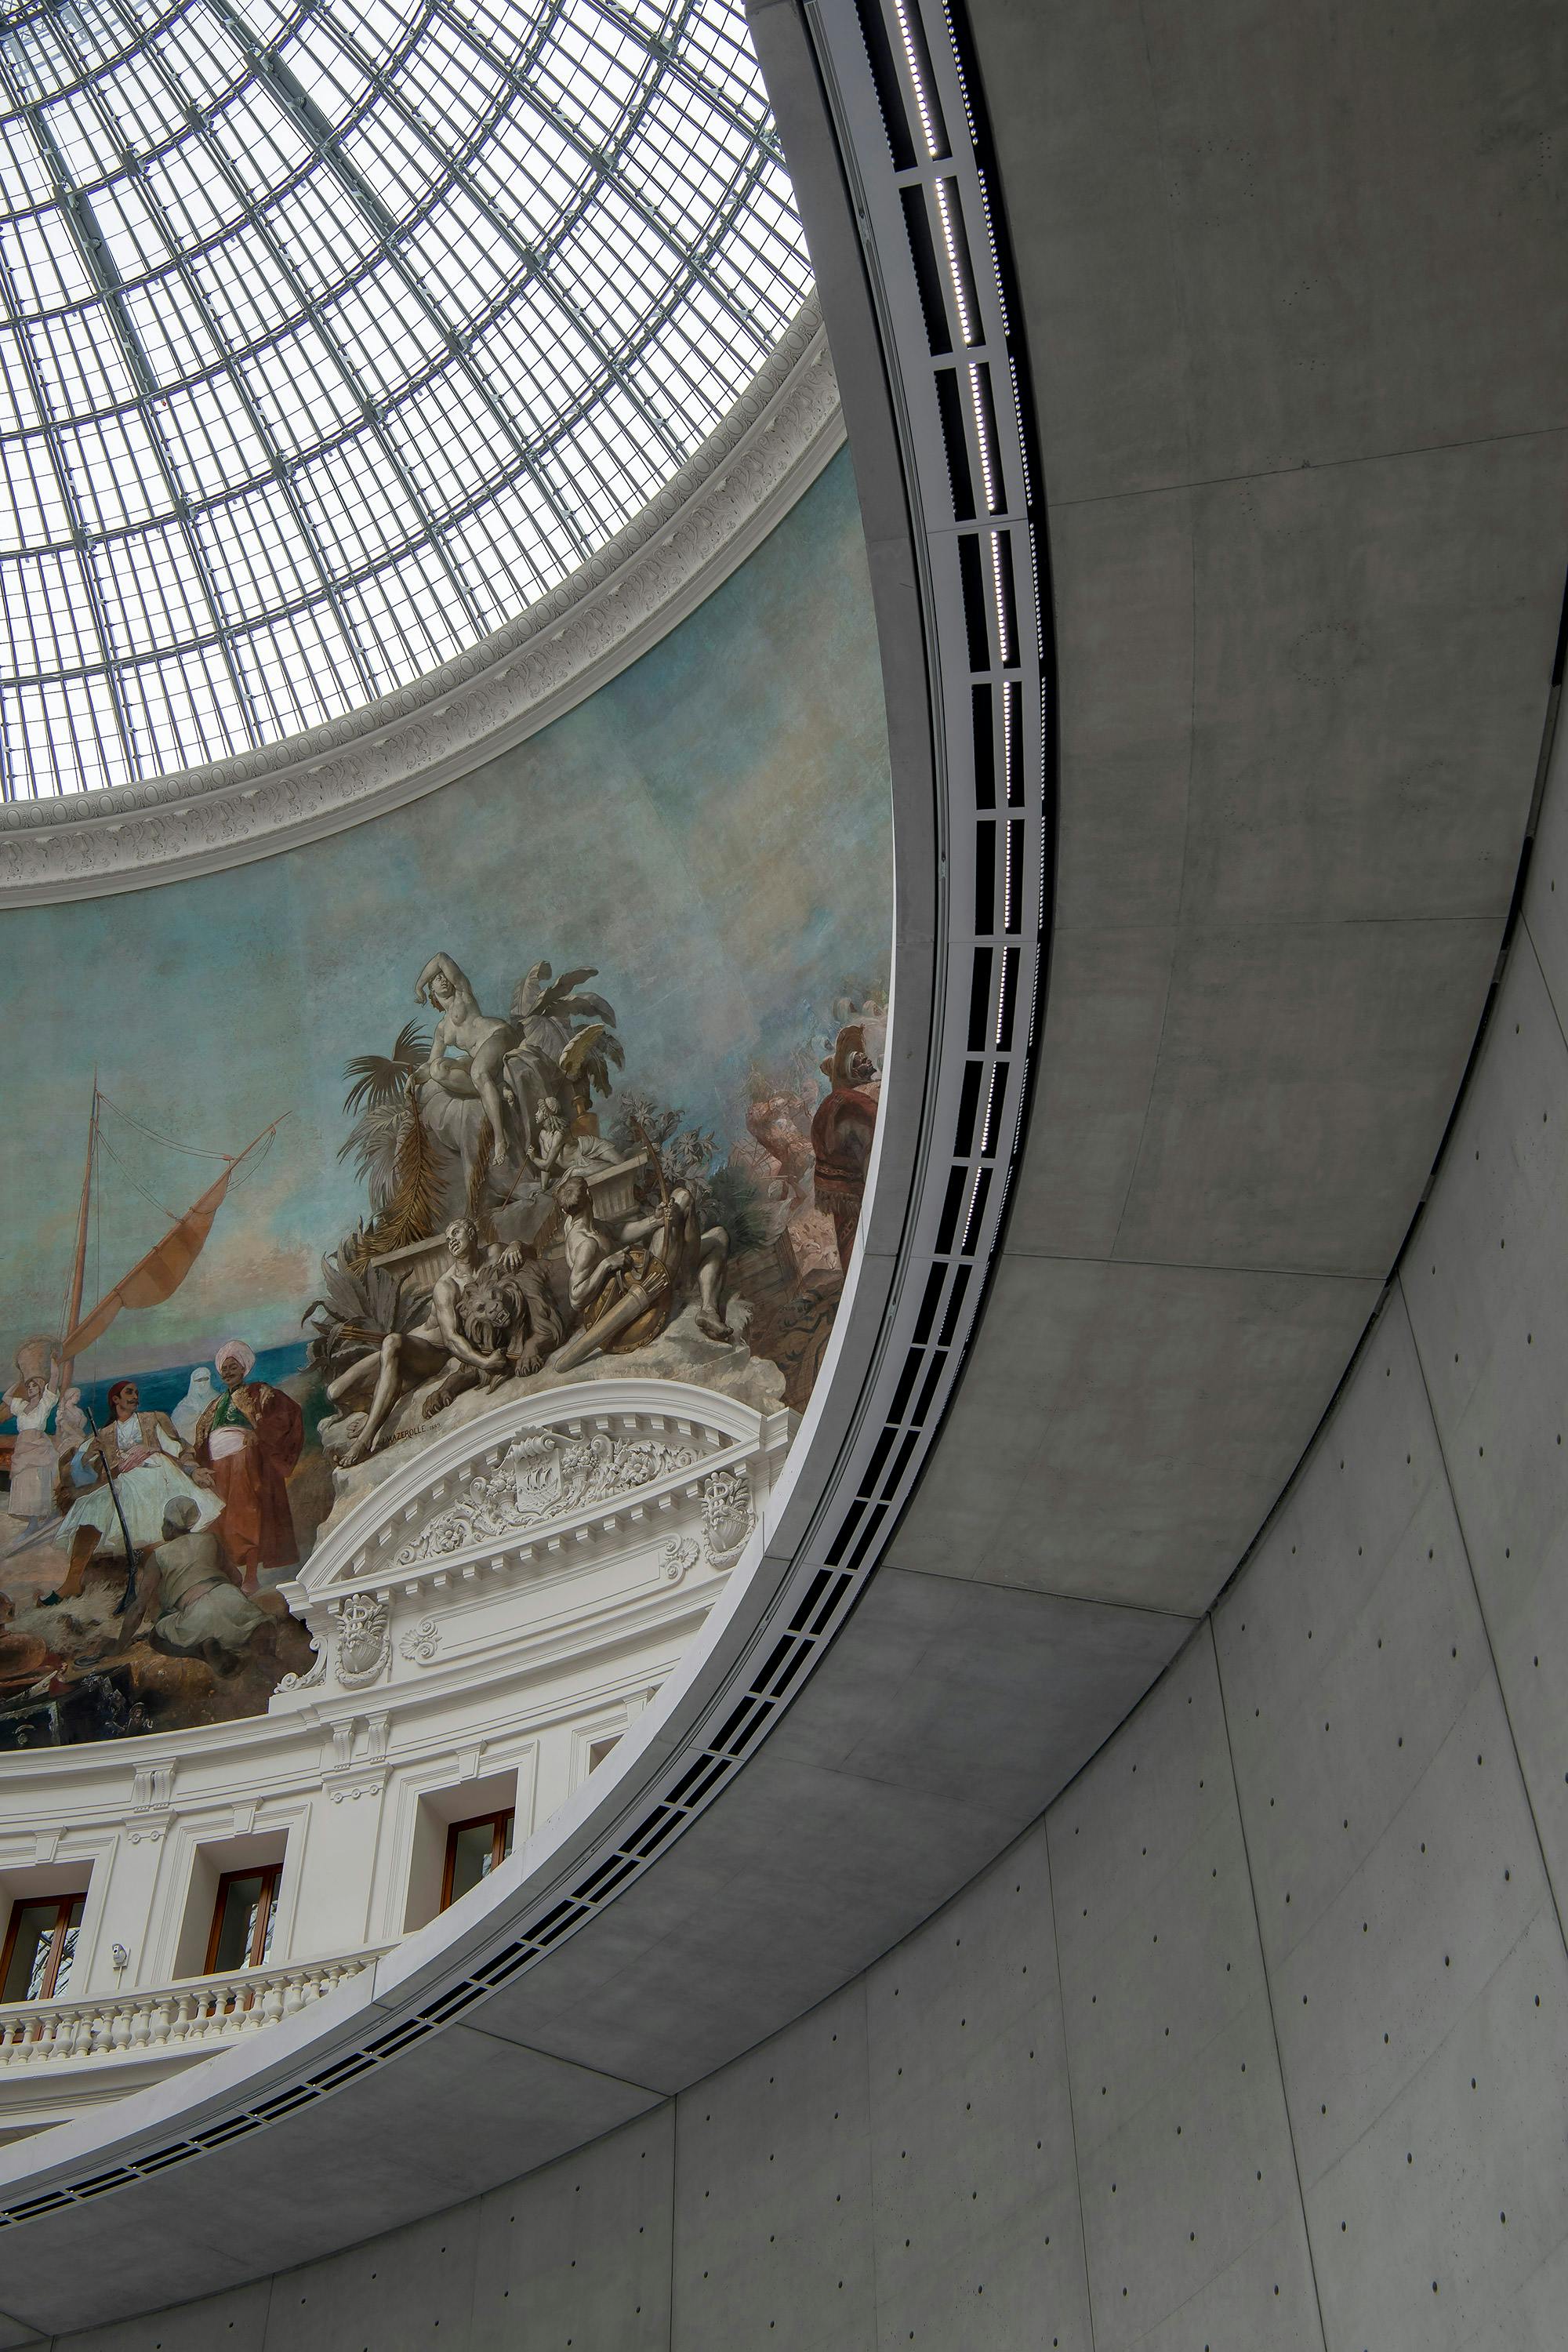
[332, 334]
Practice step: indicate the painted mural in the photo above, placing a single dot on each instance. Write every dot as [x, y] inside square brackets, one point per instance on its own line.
[569, 1070]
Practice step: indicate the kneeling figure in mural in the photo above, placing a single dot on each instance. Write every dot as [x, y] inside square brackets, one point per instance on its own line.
[196, 1608]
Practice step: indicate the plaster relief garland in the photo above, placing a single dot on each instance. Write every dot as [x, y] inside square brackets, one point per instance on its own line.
[721, 504]
[542, 1476]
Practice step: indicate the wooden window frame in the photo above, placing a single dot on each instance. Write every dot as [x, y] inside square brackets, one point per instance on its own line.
[269, 1873]
[64, 1905]
[500, 1823]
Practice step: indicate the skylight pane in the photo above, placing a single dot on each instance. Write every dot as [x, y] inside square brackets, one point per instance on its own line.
[334, 333]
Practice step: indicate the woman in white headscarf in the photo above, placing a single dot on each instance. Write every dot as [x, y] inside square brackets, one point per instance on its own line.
[193, 1403]
[33, 1462]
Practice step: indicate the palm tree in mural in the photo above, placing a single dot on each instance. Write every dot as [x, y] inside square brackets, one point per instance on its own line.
[406, 1168]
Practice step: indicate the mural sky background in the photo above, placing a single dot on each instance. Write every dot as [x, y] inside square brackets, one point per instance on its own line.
[711, 829]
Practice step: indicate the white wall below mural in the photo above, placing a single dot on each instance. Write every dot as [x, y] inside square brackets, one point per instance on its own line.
[487, 1622]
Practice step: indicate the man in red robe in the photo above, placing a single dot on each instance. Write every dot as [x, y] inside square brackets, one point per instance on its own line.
[249, 1439]
[841, 1135]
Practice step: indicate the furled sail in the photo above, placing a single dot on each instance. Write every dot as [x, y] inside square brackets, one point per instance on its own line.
[157, 1275]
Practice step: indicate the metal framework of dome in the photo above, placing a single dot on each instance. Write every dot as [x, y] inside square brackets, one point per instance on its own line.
[335, 332]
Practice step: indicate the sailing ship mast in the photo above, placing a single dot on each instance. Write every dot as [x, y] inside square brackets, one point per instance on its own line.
[79, 1264]
[157, 1275]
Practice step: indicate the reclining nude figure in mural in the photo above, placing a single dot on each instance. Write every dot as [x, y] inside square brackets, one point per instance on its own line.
[469, 1051]
[405, 1360]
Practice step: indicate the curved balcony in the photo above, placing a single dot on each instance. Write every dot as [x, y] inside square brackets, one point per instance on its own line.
[58, 2057]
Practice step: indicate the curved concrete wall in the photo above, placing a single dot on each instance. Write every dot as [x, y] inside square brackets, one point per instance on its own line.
[1260, 2037]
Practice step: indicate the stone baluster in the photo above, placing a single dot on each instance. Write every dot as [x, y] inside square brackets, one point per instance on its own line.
[171, 2017]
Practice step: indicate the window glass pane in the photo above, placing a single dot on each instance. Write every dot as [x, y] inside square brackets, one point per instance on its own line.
[473, 1855]
[270, 1897]
[68, 1948]
[34, 1926]
[310, 409]
[240, 1901]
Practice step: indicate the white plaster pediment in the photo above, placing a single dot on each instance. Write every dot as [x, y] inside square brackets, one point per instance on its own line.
[599, 1462]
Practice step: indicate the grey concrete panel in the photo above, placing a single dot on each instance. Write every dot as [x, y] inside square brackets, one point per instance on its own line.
[772, 2237]
[1328, 198]
[1122, 590]
[945, 1683]
[405, 2291]
[1486, 1283]
[1187, 2172]
[235, 2322]
[579, 2253]
[1531, 2320]
[800, 1879]
[1122, 1431]
[1373, 648]
[1546, 888]
[1436, 2226]
[1400, 1887]
[1306, 1074]
[134, 2261]
[1077, 137]
[1367, 1996]
[14, 2337]
[1330, 236]
[1351, 1649]
[975, 2193]
[459, 2111]
[1105, 1013]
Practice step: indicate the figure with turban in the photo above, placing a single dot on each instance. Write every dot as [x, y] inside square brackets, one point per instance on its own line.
[248, 1440]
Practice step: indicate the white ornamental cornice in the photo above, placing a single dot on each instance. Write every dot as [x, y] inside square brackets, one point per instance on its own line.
[722, 503]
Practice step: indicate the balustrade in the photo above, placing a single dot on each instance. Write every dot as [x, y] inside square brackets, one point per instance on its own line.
[199, 2013]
